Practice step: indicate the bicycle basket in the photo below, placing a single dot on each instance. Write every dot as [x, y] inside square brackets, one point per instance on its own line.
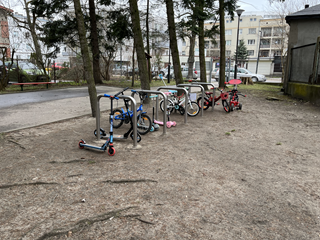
[224, 96]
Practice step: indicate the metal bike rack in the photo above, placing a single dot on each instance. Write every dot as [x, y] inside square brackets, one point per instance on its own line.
[174, 88]
[165, 104]
[202, 94]
[213, 91]
[134, 120]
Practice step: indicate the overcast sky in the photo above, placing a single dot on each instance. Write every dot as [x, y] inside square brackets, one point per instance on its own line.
[253, 5]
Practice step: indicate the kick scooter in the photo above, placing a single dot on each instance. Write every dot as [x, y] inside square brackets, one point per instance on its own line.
[109, 143]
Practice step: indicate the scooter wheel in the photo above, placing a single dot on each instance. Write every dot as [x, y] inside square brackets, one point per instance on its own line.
[168, 124]
[174, 123]
[80, 144]
[152, 129]
[111, 151]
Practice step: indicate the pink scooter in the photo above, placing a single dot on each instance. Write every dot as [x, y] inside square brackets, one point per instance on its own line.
[169, 123]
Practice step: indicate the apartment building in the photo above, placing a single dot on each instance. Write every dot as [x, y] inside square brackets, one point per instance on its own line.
[265, 35]
[4, 37]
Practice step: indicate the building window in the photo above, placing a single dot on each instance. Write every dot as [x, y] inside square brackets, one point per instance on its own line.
[278, 31]
[183, 53]
[265, 43]
[277, 53]
[251, 41]
[228, 53]
[229, 32]
[266, 32]
[277, 41]
[184, 43]
[252, 31]
[227, 21]
[250, 52]
[228, 42]
[264, 53]
[206, 44]
[254, 19]
[240, 31]
[250, 19]
[28, 47]
[240, 20]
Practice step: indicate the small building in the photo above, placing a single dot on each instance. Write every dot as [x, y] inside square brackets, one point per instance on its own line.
[302, 72]
[4, 37]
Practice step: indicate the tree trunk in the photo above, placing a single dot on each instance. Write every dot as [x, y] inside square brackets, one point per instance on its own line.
[32, 25]
[142, 63]
[222, 70]
[203, 73]
[191, 56]
[173, 42]
[148, 41]
[133, 65]
[94, 43]
[86, 57]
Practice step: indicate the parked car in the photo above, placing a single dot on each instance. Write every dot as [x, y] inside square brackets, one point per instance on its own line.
[242, 72]
[25, 72]
[58, 66]
[184, 71]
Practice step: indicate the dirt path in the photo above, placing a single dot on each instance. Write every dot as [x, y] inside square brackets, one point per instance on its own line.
[250, 174]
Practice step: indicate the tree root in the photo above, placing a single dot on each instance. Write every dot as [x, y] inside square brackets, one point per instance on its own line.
[9, 140]
[144, 221]
[129, 181]
[84, 223]
[27, 184]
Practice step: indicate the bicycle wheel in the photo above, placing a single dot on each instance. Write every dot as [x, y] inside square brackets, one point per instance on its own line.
[117, 118]
[226, 106]
[193, 109]
[206, 103]
[143, 124]
[170, 105]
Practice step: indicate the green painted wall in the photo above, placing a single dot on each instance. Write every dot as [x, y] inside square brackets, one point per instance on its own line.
[304, 91]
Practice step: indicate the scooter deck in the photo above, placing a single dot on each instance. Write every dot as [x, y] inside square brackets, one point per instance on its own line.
[114, 136]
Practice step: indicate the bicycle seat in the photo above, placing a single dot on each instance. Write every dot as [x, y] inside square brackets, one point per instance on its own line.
[234, 81]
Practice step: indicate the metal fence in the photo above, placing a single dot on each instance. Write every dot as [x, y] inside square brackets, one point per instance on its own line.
[302, 62]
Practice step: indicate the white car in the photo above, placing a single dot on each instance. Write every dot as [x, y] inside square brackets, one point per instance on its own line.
[184, 71]
[242, 72]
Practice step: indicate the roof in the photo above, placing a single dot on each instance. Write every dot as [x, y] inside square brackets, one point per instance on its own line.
[6, 9]
[307, 13]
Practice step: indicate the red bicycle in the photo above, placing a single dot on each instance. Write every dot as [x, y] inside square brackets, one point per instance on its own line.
[234, 95]
[208, 99]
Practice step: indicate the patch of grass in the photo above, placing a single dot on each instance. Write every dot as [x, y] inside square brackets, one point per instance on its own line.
[279, 143]
[233, 130]
[228, 133]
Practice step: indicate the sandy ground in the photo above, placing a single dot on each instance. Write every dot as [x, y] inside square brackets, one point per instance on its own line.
[250, 174]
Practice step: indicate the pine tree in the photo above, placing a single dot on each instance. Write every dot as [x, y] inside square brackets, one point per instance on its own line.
[242, 51]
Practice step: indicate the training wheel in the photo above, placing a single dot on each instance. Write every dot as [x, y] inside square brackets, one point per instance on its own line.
[168, 124]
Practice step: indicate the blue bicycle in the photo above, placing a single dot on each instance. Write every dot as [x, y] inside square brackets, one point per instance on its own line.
[144, 122]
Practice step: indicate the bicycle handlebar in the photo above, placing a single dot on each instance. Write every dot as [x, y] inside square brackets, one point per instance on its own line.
[107, 95]
[121, 91]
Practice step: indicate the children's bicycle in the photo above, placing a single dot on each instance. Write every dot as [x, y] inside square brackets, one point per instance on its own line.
[208, 99]
[176, 103]
[103, 134]
[121, 116]
[234, 95]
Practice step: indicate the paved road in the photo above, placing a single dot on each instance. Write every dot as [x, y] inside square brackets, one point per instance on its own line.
[22, 110]
[9, 100]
